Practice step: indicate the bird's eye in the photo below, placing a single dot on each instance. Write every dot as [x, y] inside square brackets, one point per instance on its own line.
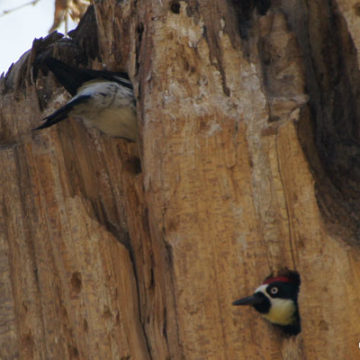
[274, 290]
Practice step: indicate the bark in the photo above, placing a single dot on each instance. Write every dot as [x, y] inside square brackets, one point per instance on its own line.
[248, 162]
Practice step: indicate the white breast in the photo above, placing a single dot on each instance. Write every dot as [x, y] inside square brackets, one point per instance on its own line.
[111, 108]
[281, 312]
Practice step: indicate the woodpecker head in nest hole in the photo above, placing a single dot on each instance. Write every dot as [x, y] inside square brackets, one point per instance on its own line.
[276, 299]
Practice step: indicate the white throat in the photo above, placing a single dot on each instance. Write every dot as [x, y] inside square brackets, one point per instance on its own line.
[282, 311]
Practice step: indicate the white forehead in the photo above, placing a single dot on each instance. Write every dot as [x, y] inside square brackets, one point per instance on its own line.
[262, 289]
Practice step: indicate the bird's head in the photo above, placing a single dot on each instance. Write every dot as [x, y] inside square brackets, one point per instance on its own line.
[276, 300]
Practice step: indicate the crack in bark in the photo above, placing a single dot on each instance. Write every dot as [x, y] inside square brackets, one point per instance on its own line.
[289, 217]
[169, 254]
[145, 335]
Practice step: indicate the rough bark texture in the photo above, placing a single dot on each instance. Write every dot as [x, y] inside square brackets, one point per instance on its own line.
[249, 151]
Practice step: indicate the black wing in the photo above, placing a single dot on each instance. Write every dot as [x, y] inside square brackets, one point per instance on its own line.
[72, 78]
[63, 112]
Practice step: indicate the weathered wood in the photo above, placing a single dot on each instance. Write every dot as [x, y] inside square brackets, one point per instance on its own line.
[248, 163]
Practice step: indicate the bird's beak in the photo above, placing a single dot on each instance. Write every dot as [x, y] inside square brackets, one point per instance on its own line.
[249, 300]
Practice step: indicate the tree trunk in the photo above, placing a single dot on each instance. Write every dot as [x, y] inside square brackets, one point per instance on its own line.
[249, 162]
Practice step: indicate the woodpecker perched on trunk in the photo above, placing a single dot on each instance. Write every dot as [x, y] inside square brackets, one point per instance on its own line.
[276, 300]
[102, 99]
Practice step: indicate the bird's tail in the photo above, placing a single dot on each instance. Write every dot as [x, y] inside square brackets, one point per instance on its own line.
[63, 112]
[52, 119]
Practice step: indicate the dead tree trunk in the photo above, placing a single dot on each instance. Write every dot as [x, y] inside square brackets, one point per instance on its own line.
[249, 162]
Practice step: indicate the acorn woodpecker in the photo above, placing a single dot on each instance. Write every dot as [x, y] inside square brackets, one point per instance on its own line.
[276, 300]
[103, 99]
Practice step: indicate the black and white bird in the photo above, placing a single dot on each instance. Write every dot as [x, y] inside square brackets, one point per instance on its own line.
[276, 299]
[103, 99]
